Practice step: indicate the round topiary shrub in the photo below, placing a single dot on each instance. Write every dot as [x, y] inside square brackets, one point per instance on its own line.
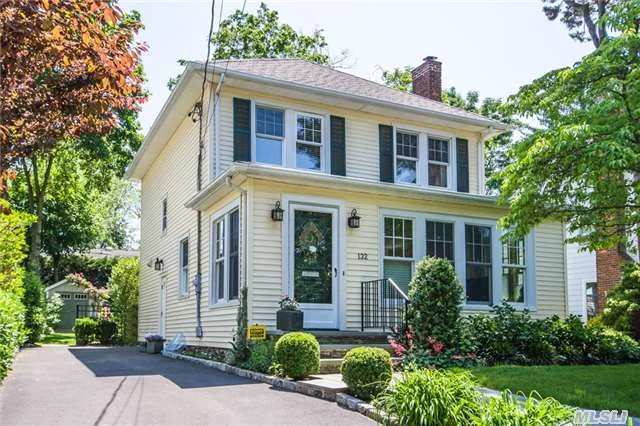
[298, 354]
[366, 371]
[436, 295]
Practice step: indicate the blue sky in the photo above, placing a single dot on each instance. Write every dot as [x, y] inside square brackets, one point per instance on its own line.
[492, 46]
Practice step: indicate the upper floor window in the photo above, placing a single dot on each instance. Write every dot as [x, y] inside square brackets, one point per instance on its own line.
[226, 252]
[406, 157]
[478, 263]
[514, 270]
[269, 135]
[440, 240]
[438, 162]
[184, 266]
[163, 219]
[308, 142]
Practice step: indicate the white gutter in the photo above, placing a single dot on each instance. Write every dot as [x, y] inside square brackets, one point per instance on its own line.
[363, 99]
[206, 197]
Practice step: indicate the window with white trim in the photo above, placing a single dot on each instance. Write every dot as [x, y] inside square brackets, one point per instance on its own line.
[398, 250]
[406, 157]
[308, 142]
[478, 264]
[438, 162]
[184, 267]
[164, 219]
[514, 270]
[440, 240]
[226, 252]
[269, 135]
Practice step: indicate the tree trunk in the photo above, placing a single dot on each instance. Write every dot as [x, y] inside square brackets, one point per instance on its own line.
[36, 243]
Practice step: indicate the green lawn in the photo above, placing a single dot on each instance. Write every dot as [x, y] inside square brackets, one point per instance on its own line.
[613, 387]
[59, 339]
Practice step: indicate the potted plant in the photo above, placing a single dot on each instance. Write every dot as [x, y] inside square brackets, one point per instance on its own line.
[289, 317]
[155, 343]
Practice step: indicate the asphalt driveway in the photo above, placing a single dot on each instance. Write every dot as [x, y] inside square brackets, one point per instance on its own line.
[57, 385]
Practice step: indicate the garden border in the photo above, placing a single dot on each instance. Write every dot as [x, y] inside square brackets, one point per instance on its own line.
[342, 399]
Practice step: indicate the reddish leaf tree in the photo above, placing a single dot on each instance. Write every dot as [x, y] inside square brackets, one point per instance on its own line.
[66, 68]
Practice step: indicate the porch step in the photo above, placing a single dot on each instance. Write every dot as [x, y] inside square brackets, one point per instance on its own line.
[359, 338]
[332, 365]
[333, 350]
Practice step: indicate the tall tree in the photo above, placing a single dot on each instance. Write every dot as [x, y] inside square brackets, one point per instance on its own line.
[580, 165]
[262, 35]
[583, 18]
[70, 73]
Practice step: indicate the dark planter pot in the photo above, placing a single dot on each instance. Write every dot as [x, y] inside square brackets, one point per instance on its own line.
[289, 320]
[155, 347]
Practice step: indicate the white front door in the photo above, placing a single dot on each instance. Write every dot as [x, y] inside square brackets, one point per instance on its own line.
[313, 263]
[163, 306]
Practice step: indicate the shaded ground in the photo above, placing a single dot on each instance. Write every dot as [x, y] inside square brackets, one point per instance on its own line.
[59, 338]
[94, 385]
[601, 387]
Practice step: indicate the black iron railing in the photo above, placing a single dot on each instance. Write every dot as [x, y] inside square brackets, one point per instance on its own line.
[383, 305]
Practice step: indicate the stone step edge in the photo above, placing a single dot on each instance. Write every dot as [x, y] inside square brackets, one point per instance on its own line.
[343, 399]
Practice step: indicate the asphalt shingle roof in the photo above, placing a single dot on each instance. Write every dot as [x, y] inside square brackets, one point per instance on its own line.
[305, 73]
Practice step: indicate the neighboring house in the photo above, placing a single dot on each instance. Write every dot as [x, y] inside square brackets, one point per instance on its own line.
[590, 277]
[322, 145]
[76, 303]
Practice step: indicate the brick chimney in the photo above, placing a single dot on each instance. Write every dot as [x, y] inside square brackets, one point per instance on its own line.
[608, 272]
[427, 79]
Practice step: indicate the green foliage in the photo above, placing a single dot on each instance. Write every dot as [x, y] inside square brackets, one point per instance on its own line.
[447, 398]
[96, 270]
[34, 303]
[240, 344]
[13, 226]
[123, 295]
[85, 330]
[53, 312]
[622, 311]
[399, 79]
[298, 354]
[261, 356]
[366, 371]
[581, 165]
[533, 411]
[106, 331]
[432, 397]
[435, 294]
[12, 331]
[514, 337]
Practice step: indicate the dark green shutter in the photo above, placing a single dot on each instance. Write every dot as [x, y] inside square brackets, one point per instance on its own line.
[241, 129]
[338, 155]
[462, 162]
[386, 153]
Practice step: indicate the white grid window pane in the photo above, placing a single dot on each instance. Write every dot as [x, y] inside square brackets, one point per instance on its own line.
[439, 150]
[478, 263]
[398, 240]
[513, 270]
[269, 121]
[406, 145]
[309, 129]
[440, 240]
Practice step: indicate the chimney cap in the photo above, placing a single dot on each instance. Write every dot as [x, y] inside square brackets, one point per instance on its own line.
[430, 58]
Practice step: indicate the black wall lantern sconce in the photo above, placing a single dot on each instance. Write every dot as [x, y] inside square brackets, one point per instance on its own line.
[159, 264]
[354, 219]
[277, 213]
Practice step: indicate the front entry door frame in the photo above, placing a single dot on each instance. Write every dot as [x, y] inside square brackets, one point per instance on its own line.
[321, 204]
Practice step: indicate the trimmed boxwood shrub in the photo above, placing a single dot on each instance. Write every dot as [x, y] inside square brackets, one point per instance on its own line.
[298, 354]
[85, 330]
[366, 371]
[106, 331]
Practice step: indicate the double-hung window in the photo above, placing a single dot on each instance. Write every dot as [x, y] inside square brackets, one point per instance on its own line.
[406, 157]
[440, 240]
[184, 266]
[308, 142]
[514, 270]
[226, 249]
[478, 264]
[269, 135]
[438, 162]
[398, 250]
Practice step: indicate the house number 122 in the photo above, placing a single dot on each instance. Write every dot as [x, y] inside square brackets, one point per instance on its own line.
[363, 256]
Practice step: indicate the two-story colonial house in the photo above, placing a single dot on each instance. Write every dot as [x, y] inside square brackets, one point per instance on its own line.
[326, 187]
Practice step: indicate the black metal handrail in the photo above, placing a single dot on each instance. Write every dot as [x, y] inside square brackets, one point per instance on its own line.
[383, 305]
